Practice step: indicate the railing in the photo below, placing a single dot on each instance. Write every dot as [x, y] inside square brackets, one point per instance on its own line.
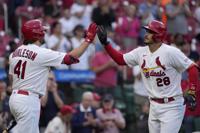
[5, 8]
[76, 76]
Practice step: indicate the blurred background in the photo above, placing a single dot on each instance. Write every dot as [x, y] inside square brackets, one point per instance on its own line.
[97, 74]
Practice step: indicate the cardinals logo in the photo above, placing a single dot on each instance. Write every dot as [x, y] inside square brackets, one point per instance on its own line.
[145, 70]
[151, 71]
[159, 63]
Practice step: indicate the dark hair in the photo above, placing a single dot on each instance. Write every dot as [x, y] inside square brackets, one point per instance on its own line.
[53, 26]
[194, 56]
[26, 42]
[78, 27]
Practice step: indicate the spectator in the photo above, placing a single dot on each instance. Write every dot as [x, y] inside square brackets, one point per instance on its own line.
[189, 118]
[84, 120]
[197, 16]
[5, 115]
[103, 14]
[82, 12]
[149, 10]
[10, 48]
[177, 17]
[142, 122]
[76, 41]
[110, 119]
[178, 41]
[51, 8]
[140, 92]
[51, 102]
[96, 101]
[129, 27]
[106, 73]
[67, 23]
[58, 42]
[61, 123]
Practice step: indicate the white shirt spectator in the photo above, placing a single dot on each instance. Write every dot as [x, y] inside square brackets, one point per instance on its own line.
[85, 20]
[65, 46]
[138, 85]
[197, 16]
[56, 126]
[84, 59]
[67, 24]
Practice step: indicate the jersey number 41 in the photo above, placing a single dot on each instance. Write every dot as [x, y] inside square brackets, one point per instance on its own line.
[17, 70]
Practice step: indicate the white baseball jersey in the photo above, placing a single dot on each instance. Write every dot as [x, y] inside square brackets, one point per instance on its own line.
[29, 67]
[161, 70]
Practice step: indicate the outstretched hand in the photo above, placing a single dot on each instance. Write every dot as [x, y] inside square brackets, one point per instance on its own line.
[102, 35]
[91, 33]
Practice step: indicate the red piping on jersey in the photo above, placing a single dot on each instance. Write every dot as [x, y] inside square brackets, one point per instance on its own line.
[116, 56]
[68, 60]
[193, 76]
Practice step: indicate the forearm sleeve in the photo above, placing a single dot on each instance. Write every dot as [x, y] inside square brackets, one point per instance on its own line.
[193, 77]
[115, 55]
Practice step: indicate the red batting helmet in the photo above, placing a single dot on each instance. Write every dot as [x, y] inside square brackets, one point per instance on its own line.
[33, 30]
[157, 28]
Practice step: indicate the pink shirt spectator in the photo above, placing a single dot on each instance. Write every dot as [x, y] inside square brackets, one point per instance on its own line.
[107, 78]
[130, 27]
[105, 116]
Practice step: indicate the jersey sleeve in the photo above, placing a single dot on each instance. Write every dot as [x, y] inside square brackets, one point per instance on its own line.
[179, 61]
[50, 58]
[131, 58]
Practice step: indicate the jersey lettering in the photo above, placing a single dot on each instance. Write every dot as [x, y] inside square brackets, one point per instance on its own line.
[25, 53]
[17, 69]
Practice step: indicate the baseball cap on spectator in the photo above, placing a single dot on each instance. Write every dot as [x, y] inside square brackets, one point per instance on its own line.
[96, 97]
[108, 98]
[66, 109]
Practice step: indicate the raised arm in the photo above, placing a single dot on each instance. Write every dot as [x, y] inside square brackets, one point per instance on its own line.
[71, 58]
[115, 55]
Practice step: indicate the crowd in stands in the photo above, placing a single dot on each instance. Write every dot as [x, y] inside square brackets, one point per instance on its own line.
[116, 101]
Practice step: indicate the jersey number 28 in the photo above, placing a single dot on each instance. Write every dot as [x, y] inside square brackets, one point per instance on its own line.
[18, 70]
[162, 82]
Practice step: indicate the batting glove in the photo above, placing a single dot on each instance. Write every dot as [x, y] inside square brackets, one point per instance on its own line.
[190, 99]
[102, 35]
[91, 33]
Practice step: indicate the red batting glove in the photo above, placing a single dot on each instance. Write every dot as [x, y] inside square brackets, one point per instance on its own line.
[91, 33]
[68, 59]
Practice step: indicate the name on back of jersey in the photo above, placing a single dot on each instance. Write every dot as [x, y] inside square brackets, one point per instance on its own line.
[24, 53]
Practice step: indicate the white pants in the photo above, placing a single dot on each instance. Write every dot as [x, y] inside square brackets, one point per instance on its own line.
[26, 110]
[167, 117]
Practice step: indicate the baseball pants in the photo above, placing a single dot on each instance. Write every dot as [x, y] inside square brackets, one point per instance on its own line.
[26, 110]
[167, 117]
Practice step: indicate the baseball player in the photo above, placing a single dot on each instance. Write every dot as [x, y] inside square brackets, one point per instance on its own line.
[29, 68]
[161, 67]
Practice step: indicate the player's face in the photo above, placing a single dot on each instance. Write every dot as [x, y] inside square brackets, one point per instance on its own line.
[148, 38]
